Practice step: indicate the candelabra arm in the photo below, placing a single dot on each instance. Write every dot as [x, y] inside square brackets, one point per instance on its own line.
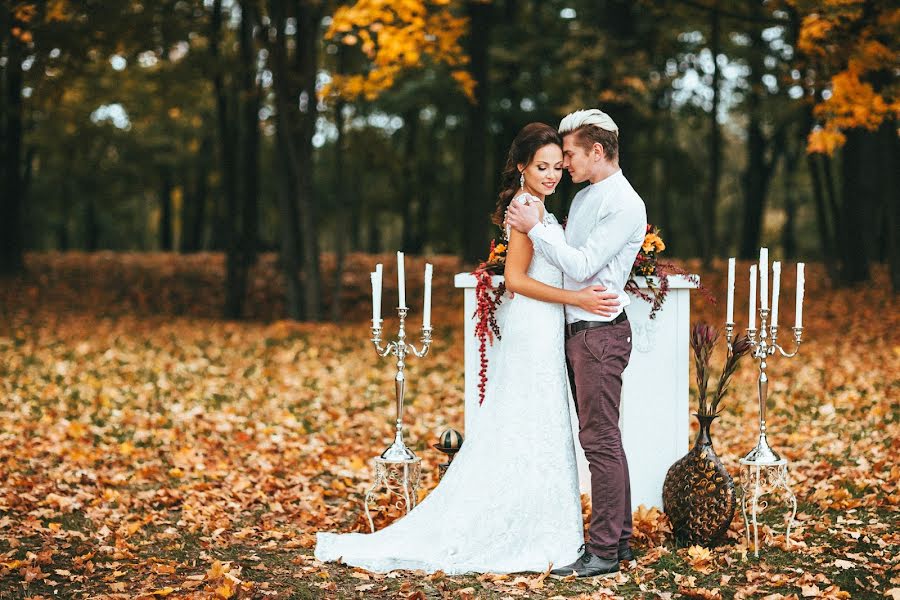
[729, 336]
[798, 338]
[426, 344]
[380, 350]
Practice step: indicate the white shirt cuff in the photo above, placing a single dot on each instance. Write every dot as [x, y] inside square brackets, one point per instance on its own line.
[537, 232]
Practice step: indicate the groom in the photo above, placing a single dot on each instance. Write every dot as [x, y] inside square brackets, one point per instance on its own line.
[605, 229]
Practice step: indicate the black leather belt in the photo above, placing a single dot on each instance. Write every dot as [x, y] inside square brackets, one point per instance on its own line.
[573, 328]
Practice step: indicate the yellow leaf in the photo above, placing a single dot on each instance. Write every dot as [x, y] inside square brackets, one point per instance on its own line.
[226, 590]
[216, 571]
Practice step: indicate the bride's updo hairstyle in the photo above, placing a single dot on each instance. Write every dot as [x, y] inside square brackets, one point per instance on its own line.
[532, 138]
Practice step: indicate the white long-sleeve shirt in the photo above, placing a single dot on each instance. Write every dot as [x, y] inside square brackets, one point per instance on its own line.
[604, 232]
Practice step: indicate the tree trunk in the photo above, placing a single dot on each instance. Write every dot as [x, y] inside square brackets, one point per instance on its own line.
[287, 207]
[290, 257]
[427, 191]
[356, 203]
[892, 206]
[165, 211]
[228, 159]
[342, 214]
[11, 185]
[196, 196]
[62, 231]
[373, 237]
[708, 231]
[249, 146]
[789, 179]
[856, 205]
[753, 177]
[410, 185]
[475, 206]
[308, 18]
[91, 227]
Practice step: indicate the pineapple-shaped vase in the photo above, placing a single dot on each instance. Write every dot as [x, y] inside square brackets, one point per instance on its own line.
[698, 493]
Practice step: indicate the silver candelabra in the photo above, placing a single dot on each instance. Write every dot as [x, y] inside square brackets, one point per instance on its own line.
[763, 454]
[763, 470]
[398, 451]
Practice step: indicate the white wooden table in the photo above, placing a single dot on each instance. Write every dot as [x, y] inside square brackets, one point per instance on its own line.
[655, 413]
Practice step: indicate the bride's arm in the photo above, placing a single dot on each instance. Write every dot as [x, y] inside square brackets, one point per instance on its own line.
[518, 257]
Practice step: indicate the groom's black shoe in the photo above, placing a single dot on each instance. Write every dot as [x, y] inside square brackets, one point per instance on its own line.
[589, 565]
[626, 555]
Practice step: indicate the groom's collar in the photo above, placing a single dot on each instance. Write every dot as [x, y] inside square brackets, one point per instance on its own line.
[604, 182]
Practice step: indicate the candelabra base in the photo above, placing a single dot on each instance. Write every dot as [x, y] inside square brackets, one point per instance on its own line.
[763, 454]
[398, 476]
[760, 479]
[398, 452]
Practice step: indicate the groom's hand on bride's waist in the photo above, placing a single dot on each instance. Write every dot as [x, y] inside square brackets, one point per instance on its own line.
[522, 217]
[595, 299]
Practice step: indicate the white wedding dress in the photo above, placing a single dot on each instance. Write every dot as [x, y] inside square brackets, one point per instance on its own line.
[510, 500]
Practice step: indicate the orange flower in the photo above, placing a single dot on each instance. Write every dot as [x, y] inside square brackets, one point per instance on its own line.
[653, 242]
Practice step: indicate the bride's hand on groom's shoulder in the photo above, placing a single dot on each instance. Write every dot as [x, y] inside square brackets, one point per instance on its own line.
[595, 299]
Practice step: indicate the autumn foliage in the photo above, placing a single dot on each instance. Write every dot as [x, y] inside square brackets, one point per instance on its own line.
[395, 38]
[852, 49]
[152, 453]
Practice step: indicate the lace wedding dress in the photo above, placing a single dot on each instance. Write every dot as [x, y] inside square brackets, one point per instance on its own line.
[510, 500]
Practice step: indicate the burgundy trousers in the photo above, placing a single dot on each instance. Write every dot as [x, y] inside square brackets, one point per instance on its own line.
[596, 359]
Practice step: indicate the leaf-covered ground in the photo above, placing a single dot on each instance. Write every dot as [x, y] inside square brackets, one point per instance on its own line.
[148, 449]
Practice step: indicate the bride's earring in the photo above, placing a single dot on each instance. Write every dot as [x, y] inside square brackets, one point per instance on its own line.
[522, 181]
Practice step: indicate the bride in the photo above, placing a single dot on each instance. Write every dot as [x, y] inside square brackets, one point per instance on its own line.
[510, 500]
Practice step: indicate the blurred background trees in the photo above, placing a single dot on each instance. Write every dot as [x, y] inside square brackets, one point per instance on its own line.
[311, 126]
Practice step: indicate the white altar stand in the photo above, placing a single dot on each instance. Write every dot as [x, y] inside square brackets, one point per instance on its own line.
[655, 413]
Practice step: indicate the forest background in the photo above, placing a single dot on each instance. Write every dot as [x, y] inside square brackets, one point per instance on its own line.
[308, 128]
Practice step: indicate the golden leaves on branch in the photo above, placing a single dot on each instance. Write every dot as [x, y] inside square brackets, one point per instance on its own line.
[854, 47]
[395, 38]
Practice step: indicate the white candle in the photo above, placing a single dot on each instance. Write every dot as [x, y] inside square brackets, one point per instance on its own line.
[426, 312]
[376, 298]
[764, 278]
[729, 311]
[401, 281]
[776, 289]
[801, 280]
[379, 274]
[752, 319]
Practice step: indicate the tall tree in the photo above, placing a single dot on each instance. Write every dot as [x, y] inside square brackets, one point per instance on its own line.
[711, 199]
[286, 175]
[13, 38]
[474, 207]
[763, 149]
[238, 120]
[308, 16]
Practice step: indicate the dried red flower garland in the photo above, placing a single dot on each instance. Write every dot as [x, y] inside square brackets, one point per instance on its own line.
[487, 299]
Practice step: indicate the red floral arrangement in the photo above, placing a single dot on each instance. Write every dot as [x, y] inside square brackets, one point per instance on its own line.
[647, 265]
[487, 299]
